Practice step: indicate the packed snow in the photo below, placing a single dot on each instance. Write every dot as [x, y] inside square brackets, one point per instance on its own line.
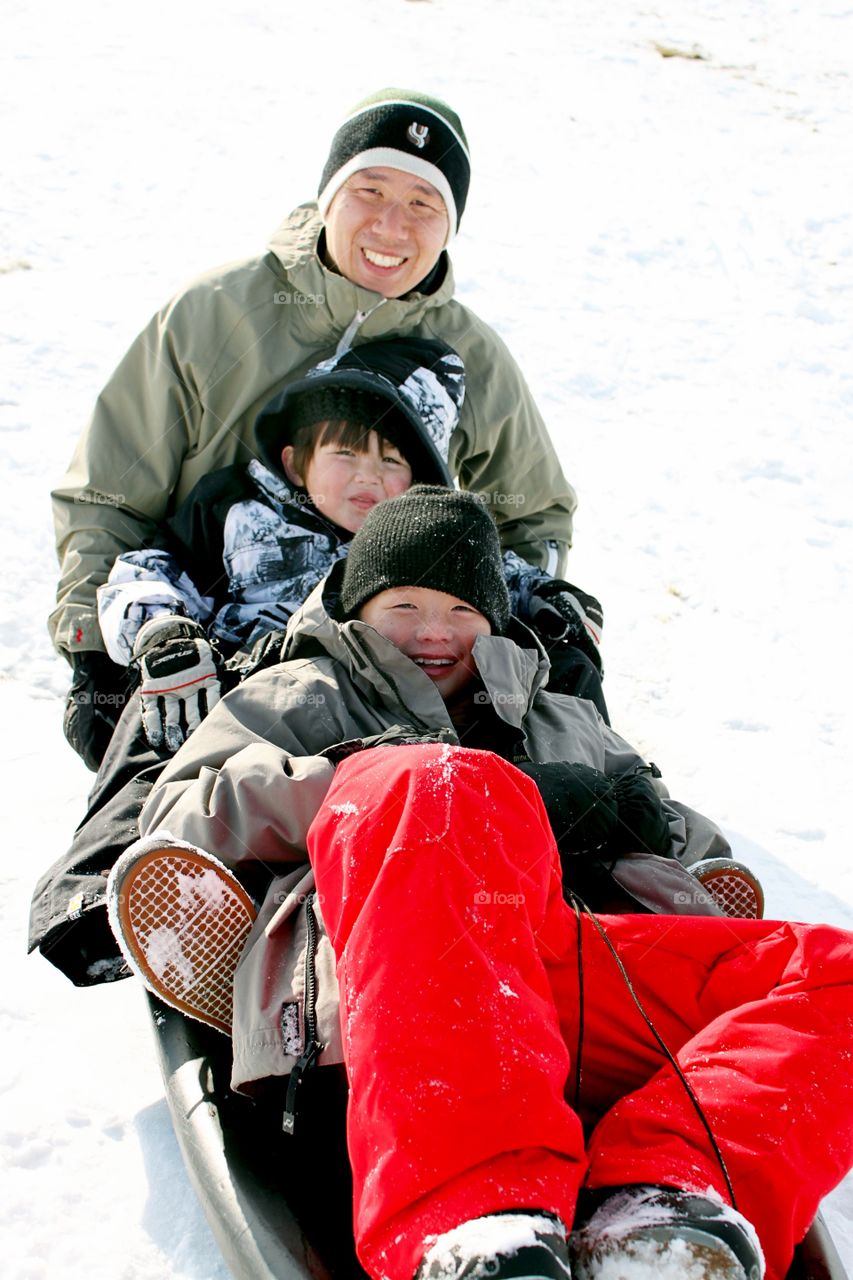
[660, 227]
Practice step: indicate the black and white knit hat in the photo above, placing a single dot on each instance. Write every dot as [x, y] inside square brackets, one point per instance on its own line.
[429, 537]
[421, 382]
[402, 130]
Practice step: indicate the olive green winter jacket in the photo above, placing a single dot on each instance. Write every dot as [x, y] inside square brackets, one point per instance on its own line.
[184, 400]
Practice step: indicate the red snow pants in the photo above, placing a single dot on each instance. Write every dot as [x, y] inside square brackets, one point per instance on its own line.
[458, 965]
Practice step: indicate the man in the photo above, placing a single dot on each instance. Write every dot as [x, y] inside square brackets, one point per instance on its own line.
[484, 1018]
[369, 259]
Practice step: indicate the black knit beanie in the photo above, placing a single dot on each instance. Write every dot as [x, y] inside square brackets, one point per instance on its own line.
[429, 537]
[399, 129]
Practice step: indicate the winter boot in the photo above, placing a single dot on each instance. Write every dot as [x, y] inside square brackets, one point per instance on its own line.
[181, 920]
[521, 1245]
[666, 1233]
[733, 887]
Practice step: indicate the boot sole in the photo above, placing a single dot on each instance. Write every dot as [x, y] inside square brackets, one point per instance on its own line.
[665, 1253]
[733, 887]
[181, 920]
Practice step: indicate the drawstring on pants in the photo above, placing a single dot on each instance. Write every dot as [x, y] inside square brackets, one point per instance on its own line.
[579, 905]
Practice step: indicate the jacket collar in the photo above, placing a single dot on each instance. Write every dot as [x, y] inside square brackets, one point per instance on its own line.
[282, 494]
[336, 301]
[511, 672]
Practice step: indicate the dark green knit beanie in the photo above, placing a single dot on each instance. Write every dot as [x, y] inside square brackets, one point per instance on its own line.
[429, 537]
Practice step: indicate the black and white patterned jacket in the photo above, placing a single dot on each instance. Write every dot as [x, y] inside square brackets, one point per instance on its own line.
[240, 556]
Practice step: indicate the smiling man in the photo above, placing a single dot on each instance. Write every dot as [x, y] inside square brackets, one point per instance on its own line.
[367, 259]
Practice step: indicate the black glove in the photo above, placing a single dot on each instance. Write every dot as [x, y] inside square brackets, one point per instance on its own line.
[563, 614]
[643, 825]
[99, 690]
[580, 804]
[590, 813]
[265, 652]
[178, 678]
[396, 736]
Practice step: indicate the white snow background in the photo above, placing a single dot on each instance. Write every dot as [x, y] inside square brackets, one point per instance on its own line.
[665, 243]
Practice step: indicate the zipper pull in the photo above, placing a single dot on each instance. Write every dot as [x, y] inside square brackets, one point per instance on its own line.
[354, 326]
[305, 1063]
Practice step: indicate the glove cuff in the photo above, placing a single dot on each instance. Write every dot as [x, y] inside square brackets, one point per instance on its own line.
[163, 629]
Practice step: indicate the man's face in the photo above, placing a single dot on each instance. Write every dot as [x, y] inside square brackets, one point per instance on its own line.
[436, 630]
[385, 230]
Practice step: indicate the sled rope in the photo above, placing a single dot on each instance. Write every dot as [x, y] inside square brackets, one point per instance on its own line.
[579, 904]
[579, 1052]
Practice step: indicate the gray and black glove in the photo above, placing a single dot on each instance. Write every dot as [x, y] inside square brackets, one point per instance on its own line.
[178, 678]
[99, 690]
[563, 614]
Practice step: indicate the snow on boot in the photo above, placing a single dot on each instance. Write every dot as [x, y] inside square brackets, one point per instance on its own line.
[181, 920]
[733, 887]
[660, 1233]
[522, 1245]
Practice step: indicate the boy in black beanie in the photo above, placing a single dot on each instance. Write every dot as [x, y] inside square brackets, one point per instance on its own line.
[504, 1090]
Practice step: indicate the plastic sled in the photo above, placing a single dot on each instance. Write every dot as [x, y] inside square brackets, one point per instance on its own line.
[280, 1206]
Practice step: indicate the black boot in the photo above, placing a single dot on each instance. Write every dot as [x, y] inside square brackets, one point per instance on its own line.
[672, 1233]
[520, 1245]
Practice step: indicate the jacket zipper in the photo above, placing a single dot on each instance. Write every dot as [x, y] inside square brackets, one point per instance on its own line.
[313, 1047]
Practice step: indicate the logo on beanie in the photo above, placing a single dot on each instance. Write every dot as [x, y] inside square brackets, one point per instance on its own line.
[418, 134]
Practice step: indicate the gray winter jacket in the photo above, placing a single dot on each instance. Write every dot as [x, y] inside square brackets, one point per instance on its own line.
[248, 783]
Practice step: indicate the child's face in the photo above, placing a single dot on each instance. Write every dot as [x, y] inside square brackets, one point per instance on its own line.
[346, 483]
[434, 629]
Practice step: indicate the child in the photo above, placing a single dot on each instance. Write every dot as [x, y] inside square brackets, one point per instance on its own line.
[481, 1015]
[251, 542]
[209, 600]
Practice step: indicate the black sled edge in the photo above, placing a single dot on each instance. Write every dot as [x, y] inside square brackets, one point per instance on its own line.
[278, 1206]
[247, 1176]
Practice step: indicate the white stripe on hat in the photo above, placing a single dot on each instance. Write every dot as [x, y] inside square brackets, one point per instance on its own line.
[391, 158]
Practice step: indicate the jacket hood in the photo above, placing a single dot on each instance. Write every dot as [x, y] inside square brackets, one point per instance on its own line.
[422, 381]
[512, 668]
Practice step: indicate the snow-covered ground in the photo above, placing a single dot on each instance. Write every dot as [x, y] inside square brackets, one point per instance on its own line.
[665, 242]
